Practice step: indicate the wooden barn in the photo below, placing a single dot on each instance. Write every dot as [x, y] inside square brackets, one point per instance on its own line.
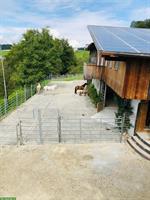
[120, 63]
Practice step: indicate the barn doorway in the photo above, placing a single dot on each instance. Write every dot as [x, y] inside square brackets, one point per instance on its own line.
[143, 117]
[111, 100]
[148, 117]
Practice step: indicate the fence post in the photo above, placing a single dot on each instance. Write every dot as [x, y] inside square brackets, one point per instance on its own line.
[40, 126]
[59, 129]
[5, 105]
[1, 113]
[20, 132]
[16, 99]
[17, 134]
[122, 127]
[25, 94]
[31, 91]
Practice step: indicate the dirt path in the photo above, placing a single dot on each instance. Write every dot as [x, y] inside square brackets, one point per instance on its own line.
[74, 172]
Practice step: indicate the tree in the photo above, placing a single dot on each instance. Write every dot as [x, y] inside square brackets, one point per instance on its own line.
[141, 24]
[37, 55]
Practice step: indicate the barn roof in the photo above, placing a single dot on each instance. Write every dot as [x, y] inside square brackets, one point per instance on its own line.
[121, 40]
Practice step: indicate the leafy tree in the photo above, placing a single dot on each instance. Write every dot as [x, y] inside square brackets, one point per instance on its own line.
[36, 56]
[141, 24]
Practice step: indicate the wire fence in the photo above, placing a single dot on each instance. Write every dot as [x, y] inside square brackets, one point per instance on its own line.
[16, 100]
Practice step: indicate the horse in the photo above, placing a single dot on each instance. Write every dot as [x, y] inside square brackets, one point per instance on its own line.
[38, 88]
[79, 87]
[50, 87]
[83, 92]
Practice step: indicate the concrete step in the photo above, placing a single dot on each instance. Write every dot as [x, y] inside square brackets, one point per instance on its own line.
[141, 144]
[139, 150]
[143, 139]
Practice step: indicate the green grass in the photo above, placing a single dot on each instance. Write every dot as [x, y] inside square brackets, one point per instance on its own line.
[82, 55]
[81, 58]
[3, 52]
[69, 78]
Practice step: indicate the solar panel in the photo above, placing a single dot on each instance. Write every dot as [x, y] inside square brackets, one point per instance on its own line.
[121, 39]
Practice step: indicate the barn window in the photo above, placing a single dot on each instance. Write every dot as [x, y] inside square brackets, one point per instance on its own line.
[106, 63]
[102, 61]
[110, 64]
[117, 63]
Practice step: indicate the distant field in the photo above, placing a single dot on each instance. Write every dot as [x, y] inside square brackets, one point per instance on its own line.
[3, 52]
[82, 57]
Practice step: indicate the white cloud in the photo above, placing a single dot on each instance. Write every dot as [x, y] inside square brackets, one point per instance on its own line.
[140, 14]
[51, 5]
[74, 29]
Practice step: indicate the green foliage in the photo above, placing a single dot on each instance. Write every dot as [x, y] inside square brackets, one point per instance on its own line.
[3, 52]
[92, 92]
[141, 24]
[69, 77]
[124, 111]
[36, 56]
[82, 56]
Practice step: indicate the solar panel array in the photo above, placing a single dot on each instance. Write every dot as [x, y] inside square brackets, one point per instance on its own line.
[121, 39]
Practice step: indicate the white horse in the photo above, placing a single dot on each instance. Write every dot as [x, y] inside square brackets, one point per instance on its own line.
[50, 87]
[38, 88]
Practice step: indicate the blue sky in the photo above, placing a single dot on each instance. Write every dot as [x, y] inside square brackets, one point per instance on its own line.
[67, 18]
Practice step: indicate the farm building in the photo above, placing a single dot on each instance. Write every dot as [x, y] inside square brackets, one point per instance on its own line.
[119, 64]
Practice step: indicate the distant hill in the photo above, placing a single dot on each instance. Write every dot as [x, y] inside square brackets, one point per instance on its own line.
[5, 46]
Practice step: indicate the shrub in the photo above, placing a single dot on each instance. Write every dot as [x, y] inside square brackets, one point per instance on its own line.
[124, 110]
[92, 92]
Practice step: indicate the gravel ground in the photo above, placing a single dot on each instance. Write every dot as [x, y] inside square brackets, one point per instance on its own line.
[74, 172]
[105, 171]
[62, 100]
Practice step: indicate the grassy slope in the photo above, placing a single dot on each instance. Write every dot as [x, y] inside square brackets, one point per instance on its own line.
[3, 52]
[81, 56]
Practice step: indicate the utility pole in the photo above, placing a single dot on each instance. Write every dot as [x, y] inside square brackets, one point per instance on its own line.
[4, 80]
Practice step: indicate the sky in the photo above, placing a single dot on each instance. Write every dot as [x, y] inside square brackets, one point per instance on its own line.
[67, 18]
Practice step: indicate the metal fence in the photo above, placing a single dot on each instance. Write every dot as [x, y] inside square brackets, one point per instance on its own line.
[39, 127]
[16, 100]
[42, 129]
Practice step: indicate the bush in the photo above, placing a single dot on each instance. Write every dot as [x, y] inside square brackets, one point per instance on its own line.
[92, 92]
[124, 110]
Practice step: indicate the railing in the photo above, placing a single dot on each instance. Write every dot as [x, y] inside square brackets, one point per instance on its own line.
[39, 128]
[16, 100]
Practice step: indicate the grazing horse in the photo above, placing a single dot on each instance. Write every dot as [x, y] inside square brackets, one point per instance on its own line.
[79, 87]
[38, 88]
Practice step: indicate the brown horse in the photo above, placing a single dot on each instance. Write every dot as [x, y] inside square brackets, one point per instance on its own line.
[79, 87]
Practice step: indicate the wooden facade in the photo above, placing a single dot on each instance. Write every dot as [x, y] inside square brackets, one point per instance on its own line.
[143, 115]
[130, 79]
[127, 76]
[137, 82]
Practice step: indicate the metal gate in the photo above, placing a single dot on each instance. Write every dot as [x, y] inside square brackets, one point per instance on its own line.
[45, 129]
